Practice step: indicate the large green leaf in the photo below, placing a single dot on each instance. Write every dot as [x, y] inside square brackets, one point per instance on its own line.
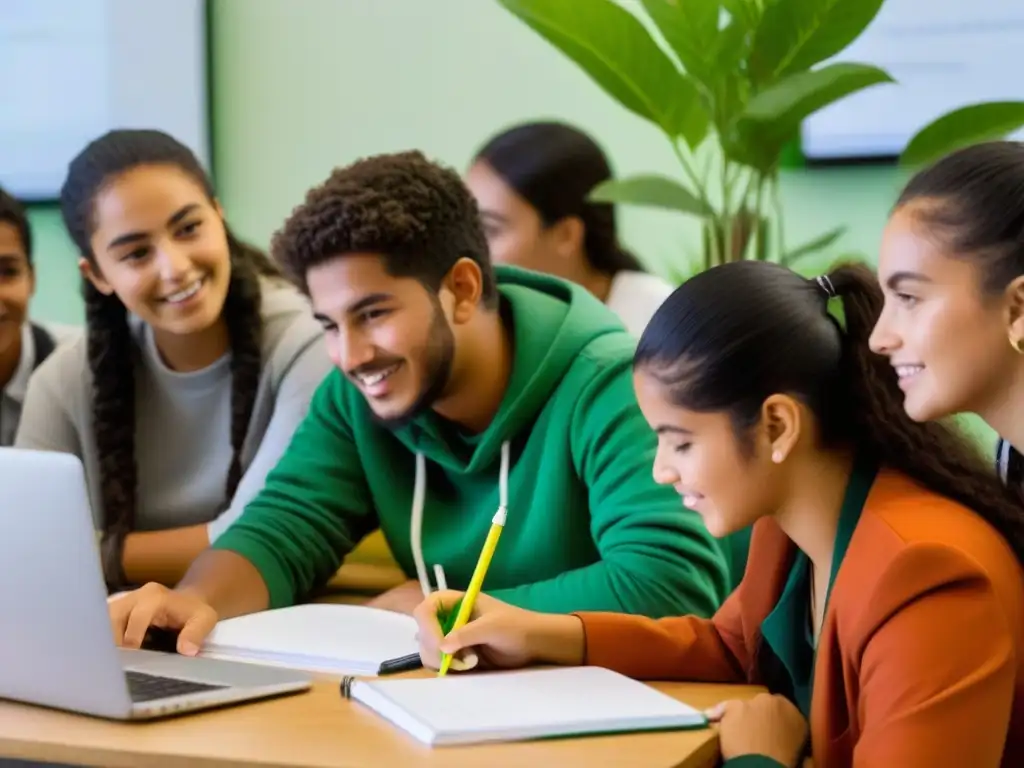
[690, 27]
[746, 13]
[773, 116]
[652, 191]
[732, 47]
[962, 127]
[612, 46]
[729, 87]
[794, 35]
[812, 246]
[795, 97]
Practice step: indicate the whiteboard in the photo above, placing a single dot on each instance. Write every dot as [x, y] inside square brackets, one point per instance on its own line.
[72, 69]
[944, 54]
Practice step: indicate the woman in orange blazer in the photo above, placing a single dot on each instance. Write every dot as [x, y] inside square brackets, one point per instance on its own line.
[883, 601]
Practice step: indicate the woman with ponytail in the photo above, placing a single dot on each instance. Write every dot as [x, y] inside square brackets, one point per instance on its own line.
[883, 600]
[197, 366]
[952, 268]
[531, 183]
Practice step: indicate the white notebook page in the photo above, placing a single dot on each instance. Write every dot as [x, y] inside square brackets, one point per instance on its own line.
[525, 704]
[319, 636]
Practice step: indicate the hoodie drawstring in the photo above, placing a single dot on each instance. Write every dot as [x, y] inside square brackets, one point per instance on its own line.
[419, 494]
[419, 491]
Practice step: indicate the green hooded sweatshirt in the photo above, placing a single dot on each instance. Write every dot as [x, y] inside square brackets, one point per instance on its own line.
[587, 528]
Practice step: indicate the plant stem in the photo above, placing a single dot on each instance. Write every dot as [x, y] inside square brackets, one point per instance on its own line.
[727, 218]
[736, 175]
[777, 205]
[705, 171]
[688, 170]
[759, 203]
[753, 182]
[698, 188]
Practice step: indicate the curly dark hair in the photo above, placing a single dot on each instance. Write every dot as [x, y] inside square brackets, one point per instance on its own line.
[416, 214]
[13, 213]
[111, 350]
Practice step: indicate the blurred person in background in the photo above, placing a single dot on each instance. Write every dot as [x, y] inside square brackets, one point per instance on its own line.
[531, 183]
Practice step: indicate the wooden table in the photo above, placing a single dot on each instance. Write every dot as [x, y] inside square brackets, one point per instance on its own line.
[320, 729]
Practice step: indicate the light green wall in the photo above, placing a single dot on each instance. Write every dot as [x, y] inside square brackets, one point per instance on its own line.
[300, 87]
[57, 298]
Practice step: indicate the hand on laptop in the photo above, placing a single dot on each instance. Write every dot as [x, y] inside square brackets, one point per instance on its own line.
[154, 605]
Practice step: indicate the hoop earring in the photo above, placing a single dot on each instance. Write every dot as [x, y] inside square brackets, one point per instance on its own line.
[1018, 345]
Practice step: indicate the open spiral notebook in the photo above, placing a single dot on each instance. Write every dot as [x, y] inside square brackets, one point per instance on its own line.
[472, 708]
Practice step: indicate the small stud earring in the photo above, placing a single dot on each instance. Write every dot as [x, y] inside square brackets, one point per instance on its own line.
[777, 457]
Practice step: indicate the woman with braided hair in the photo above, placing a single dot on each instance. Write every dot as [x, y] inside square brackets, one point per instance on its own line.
[198, 363]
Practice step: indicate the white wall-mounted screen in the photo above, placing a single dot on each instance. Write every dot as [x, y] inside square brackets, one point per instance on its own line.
[71, 70]
[944, 54]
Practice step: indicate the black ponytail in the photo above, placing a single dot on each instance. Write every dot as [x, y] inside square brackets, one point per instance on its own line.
[112, 354]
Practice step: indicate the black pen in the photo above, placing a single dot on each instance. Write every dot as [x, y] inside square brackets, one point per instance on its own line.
[401, 664]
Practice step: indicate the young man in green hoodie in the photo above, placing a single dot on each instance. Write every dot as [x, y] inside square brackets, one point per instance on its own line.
[459, 388]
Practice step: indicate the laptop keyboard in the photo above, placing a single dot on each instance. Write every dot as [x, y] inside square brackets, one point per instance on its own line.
[143, 687]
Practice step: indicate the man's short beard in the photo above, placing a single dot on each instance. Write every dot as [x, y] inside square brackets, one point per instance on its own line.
[440, 355]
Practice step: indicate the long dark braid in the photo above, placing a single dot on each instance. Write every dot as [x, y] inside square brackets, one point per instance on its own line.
[112, 353]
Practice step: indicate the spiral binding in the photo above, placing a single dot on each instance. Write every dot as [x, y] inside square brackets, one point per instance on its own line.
[346, 686]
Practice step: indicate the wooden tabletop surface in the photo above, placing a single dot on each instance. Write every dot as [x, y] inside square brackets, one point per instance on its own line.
[320, 729]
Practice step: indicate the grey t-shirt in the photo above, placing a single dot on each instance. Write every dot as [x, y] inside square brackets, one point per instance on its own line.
[183, 420]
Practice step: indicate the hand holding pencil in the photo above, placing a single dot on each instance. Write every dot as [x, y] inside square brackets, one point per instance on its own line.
[488, 640]
[501, 635]
[497, 635]
[464, 607]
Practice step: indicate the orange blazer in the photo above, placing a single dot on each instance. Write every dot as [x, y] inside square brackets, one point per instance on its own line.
[920, 661]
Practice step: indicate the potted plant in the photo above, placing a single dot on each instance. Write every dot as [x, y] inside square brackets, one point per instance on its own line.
[745, 74]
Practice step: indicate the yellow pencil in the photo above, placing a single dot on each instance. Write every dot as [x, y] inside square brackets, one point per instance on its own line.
[476, 582]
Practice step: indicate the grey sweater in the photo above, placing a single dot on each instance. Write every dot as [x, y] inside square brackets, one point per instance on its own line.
[183, 420]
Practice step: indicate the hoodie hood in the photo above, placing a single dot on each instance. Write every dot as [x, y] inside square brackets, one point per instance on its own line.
[563, 319]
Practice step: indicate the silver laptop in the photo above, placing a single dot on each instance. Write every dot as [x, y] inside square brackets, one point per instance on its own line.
[56, 644]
